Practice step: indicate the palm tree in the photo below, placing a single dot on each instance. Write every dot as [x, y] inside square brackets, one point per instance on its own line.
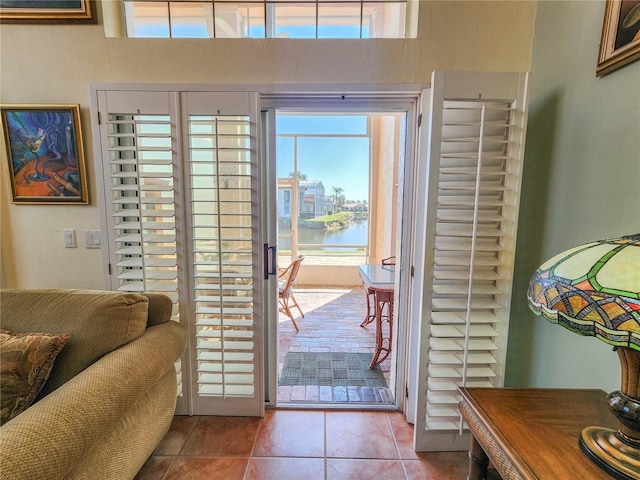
[338, 198]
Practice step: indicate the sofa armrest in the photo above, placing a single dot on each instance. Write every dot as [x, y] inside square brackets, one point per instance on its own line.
[50, 437]
[160, 308]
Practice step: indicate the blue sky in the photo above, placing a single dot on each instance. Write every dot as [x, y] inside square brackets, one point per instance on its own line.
[336, 162]
[161, 30]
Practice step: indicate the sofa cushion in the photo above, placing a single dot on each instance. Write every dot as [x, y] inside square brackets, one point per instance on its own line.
[26, 360]
[97, 322]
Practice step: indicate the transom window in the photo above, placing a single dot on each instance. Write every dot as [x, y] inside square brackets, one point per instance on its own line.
[270, 18]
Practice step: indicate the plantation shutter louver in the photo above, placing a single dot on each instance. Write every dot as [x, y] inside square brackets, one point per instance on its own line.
[475, 169]
[180, 194]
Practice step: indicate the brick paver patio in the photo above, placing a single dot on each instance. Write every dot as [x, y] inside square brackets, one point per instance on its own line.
[331, 324]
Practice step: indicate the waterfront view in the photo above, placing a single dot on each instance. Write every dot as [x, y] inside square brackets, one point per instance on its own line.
[325, 178]
[356, 234]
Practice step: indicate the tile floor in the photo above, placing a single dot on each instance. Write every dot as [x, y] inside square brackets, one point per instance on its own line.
[331, 323]
[298, 445]
[309, 444]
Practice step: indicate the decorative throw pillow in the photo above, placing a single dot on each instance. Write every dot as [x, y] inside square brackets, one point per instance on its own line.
[26, 360]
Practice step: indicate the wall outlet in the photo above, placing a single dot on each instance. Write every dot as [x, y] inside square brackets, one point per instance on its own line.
[69, 238]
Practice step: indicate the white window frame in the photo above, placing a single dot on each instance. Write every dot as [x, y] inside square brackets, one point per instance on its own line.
[115, 16]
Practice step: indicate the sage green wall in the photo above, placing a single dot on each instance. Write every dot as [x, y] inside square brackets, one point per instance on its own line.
[55, 63]
[582, 147]
[581, 183]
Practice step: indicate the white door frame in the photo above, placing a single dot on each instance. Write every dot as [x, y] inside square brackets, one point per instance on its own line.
[357, 99]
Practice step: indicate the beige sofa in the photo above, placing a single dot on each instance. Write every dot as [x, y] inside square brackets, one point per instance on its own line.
[111, 395]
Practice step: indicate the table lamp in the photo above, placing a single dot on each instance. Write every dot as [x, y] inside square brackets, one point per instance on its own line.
[594, 290]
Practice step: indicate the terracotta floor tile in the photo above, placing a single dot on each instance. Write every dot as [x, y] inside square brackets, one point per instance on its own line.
[359, 435]
[350, 469]
[290, 444]
[222, 436]
[180, 429]
[218, 468]
[286, 469]
[437, 466]
[154, 468]
[403, 433]
[286, 433]
[306, 444]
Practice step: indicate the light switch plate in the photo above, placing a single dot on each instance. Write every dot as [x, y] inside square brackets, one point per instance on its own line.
[69, 238]
[92, 238]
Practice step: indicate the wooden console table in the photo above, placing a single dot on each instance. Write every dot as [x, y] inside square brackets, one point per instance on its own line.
[533, 433]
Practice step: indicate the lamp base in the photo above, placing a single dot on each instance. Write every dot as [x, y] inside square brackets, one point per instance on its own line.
[614, 456]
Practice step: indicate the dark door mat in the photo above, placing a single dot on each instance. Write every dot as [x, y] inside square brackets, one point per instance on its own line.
[334, 369]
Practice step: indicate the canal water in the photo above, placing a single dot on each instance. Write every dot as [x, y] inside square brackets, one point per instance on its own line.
[356, 234]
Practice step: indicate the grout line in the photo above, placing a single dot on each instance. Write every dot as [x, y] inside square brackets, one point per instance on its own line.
[326, 467]
[169, 467]
[255, 440]
[395, 443]
[186, 440]
[253, 447]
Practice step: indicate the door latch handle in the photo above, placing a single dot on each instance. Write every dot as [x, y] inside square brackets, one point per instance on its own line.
[265, 260]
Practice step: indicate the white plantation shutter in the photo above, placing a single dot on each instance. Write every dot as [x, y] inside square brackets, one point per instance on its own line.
[471, 228]
[224, 265]
[475, 168]
[220, 169]
[138, 176]
[180, 195]
[144, 217]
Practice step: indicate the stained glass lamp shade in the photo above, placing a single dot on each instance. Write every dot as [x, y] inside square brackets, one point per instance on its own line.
[594, 290]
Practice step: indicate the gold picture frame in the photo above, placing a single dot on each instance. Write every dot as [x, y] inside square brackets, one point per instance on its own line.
[48, 11]
[620, 43]
[45, 153]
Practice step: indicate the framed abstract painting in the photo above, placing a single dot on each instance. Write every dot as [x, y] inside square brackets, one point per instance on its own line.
[45, 153]
[47, 11]
[620, 43]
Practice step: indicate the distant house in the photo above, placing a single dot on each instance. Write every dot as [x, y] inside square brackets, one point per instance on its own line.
[311, 198]
[356, 207]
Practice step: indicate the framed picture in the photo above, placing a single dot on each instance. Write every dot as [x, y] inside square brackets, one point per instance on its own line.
[47, 11]
[620, 43]
[45, 153]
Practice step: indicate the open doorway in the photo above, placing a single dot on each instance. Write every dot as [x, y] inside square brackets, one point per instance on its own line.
[339, 204]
